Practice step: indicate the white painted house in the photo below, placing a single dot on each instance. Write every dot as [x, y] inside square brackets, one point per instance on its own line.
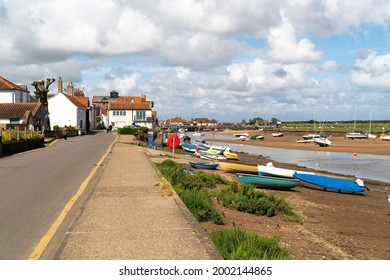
[64, 110]
[11, 93]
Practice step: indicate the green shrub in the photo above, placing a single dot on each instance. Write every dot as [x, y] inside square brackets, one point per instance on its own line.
[192, 189]
[199, 203]
[127, 130]
[247, 199]
[237, 244]
[56, 127]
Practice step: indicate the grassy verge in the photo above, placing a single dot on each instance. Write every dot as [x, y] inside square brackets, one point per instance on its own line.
[247, 199]
[238, 244]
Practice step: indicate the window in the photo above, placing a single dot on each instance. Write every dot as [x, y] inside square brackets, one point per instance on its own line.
[140, 115]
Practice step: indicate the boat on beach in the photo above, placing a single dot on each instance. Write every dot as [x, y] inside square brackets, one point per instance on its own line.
[277, 134]
[204, 165]
[331, 183]
[267, 182]
[322, 141]
[270, 170]
[208, 155]
[232, 167]
[356, 135]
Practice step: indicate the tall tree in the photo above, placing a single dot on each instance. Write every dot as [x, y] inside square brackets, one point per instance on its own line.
[41, 90]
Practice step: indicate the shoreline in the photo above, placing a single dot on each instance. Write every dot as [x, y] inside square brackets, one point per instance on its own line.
[289, 141]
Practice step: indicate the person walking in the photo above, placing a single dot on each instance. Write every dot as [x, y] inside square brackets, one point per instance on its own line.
[65, 132]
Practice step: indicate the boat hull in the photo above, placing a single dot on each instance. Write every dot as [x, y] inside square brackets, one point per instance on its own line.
[231, 167]
[267, 182]
[204, 165]
[270, 170]
[329, 183]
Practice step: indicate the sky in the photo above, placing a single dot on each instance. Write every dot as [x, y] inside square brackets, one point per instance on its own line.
[294, 60]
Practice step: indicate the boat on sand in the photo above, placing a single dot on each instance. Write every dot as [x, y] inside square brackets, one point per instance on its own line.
[267, 182]
[232, 167]
[330, 183]
[204, 165]
[270, 170]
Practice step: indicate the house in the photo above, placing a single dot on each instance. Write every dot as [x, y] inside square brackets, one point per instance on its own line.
[120, 111]
[22, 115]
[12, 93]
[66, 109]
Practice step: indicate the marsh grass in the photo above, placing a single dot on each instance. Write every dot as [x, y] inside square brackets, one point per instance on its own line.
[247, 199]
[238, 244]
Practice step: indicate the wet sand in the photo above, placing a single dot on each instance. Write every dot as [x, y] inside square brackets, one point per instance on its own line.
[339, 144]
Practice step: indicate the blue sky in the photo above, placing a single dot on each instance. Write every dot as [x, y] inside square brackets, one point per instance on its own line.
[228, 60]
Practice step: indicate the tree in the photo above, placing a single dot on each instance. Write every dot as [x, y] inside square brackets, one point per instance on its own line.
[41, 90]
[274, 120]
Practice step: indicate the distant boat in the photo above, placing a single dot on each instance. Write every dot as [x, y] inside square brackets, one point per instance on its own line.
[257, 137]
[309, 138]
[356, 135]
[277, 134]
[204, 165]
[331, 183]
[385, 137]
[267, 182]
[231, 167]
[322, 141]
[270, 170]
[241, 135]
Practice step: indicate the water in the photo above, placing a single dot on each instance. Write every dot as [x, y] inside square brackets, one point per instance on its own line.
[366, 166]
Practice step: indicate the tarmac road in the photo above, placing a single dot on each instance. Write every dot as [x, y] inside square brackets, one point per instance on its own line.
[35, 186]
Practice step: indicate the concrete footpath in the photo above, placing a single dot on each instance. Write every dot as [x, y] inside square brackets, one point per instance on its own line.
[133, 215]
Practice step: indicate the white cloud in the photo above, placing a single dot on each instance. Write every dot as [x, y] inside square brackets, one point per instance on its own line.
[284, 46]
[201, 57]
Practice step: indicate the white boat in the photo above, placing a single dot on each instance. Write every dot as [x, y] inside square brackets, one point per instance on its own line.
[356, 135]
[277, 134]
[208, 155]
[385, 137]
[309, 138]
[270, 170]
[322, 141]
[241, 135]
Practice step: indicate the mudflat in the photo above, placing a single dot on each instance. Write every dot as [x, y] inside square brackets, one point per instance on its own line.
[339, 143]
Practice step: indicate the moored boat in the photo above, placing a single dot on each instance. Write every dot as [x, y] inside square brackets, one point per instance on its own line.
[270, 170]
[322, 141]
[208, 155]
[204, 165]
[268, 182]
[331, 183]
[232, 167]
[277, 134]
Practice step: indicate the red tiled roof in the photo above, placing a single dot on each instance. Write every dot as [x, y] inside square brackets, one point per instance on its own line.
[75, 102]
[130, 106]
[7, 85]
[17, 110]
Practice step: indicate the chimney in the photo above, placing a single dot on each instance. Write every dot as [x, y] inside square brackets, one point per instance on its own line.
[69, 89]
[60, 85]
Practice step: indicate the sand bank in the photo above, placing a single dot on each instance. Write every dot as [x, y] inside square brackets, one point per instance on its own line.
[340, 144]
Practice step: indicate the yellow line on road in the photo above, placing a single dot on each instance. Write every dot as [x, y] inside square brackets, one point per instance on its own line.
[37, 253]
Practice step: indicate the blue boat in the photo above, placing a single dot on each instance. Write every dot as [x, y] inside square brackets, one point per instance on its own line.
[331, 183]
[188, 147]
[204, 165]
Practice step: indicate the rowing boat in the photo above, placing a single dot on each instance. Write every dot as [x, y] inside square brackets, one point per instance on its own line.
[267, 182]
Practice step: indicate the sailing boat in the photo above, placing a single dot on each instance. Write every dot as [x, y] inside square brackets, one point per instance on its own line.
[356, 134]
[322, 140]
[370, 135]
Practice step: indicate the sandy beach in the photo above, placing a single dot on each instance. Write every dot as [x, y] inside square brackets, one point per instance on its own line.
[340, 144]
